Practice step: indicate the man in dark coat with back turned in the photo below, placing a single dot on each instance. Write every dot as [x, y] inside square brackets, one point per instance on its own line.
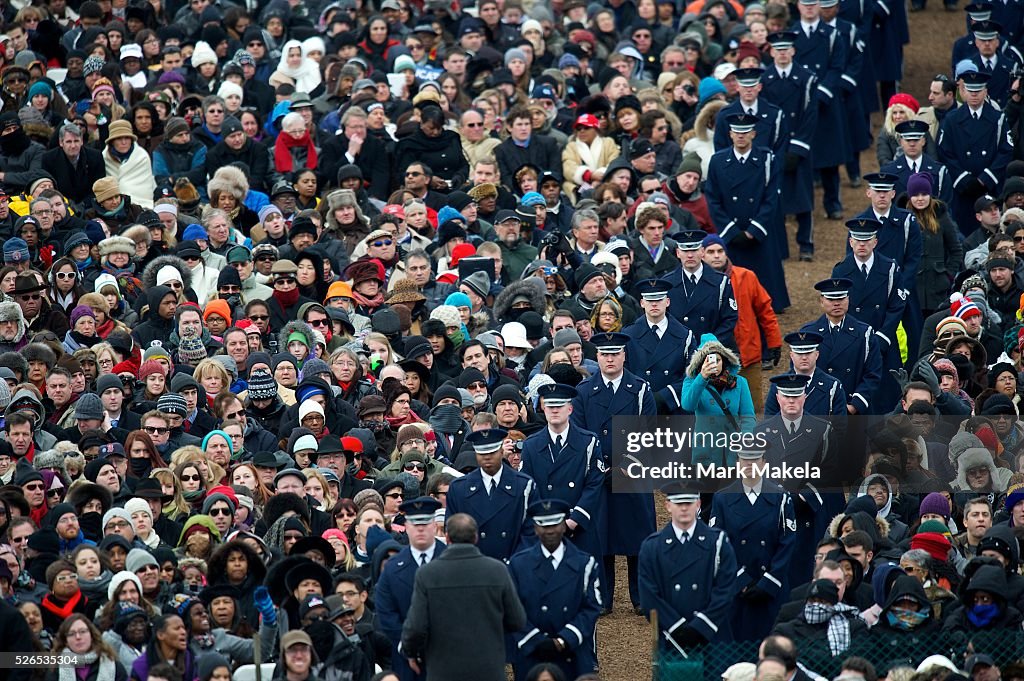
[462, 600]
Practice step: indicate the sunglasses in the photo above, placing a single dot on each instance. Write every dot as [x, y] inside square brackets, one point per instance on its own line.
[381, 243]
[266, 258]
[154, 430]
[66, 275]
[34, 488]
[17, 79]
[413, 174]
[285, 280]
[414, 467]
[474, 125]
[231, 289]
[476, 386]
[191, 258]
[259, 317]
[191, 478]
[317, 322]
[29, 296]
[54, 492]
[220, 511]
[395, 495]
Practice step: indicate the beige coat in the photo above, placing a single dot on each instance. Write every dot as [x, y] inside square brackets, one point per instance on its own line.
[477, 150]
[578, 158]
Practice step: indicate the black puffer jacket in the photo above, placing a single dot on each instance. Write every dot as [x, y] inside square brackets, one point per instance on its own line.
[443, 154]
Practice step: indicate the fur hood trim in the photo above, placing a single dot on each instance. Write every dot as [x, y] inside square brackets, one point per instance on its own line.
[709, 345]
[522, 287]
[51, 458]
[297, 326]
[138, 234]
[11, 312]
[339, 198]
[228, 179]
[976, 457]
[117, 244]
[82, 491]
[707, 115]
[478, 323]
[149, 274]
[833, 526]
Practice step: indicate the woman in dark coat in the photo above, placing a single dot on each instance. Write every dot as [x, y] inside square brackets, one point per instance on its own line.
[376, 45]
[438, 148]
[906, 618]
[942, 252]
[237, 564]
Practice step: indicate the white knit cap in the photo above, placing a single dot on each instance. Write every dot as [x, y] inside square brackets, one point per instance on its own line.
[309, 407]
[167, 273]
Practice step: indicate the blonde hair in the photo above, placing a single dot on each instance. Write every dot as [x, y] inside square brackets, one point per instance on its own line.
[211, 366]
[329, 500]
[167, 477]
[383, 340]
[195, 455]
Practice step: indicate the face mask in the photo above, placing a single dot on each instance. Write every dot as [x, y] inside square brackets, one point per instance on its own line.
[140, 466]
[234, 300]
[982, 615]
[322, 635]
[899, 618]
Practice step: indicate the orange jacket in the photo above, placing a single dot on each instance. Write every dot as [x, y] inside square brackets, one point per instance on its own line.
[755, 314]
[697, 7]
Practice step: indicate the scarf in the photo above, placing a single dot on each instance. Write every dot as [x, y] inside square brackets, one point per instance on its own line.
[838, 623]
[126, 279]
[84, 264]
[114, 211]
[982, 615]
[283, 151]
[87, 341]
[106, 671]
[105, 329]
[397, 422]
[121, 157]
[725, 381]
[446, 419]
[288, 298]
[193, 497]
[63, 611]
[368, 303]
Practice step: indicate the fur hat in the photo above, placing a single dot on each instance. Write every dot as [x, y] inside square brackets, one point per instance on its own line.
[40, 352]
[117, 245]
[365, 270]
[228, 179]
[138, 234]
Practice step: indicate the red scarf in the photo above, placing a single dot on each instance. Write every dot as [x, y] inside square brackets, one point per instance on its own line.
[283, 151]
[63, 611]
[397, 422]
[104, 329]
[287, 298]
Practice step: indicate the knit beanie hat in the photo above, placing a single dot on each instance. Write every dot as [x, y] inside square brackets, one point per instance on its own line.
[918, 184]
[950, 325]
[174, 127]
[447, 315]
[935, 503]
[191, 350]
[138, 559]
[151, 367]
[88, 406]
[137, 505]
[262, 385]
[81, 311]
[119, 579]
[963, 308]
[172, 403]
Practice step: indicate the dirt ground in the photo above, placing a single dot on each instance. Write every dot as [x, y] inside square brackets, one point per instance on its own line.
[624, 639]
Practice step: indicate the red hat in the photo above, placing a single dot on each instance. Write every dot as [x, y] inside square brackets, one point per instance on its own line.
[244, 324]
[963, 307]
[934, 543]
[988, 438]
[587, 121]
[351, 444]
[906, 100]
[394, 209]
[459, 252]
[226, 491]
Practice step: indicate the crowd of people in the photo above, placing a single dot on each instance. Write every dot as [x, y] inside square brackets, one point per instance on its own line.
[318, 321]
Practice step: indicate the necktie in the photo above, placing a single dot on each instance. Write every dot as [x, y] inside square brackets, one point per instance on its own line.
[743, 159]
[693, 280]
[558, 443]
[752, 495]
[684, 537]
[975, 114]
[494, 486]
[750, 111]
[423, 557]
[864, 270]
[988, 64]
[792, 427]
[186, 425]
[611, 386]
[549, 565]
[653, 250]
[656, 330]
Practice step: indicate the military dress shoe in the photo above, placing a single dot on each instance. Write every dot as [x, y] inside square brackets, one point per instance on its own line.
[835, 215]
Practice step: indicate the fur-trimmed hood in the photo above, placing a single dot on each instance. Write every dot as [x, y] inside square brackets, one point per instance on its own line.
[478, 323]
[149, 274]
[343, 197]
[976, 457]
[702, 126]
[11, 312]
[881, 524]
[228, 179]
[708, 345]
[522, 287]
[297, 326]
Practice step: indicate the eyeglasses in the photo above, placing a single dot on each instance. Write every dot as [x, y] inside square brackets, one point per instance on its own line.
[474, 125]
[117, 525]
[191, 478]
[285, 280]
[255, 43]
[155, 430]
[313, 417]
[75, 633]
[66, 275]
[228, 288]
[29, 296]
[16, 79]
[33, 488]
[220, 511]
[414, 466]
[210, 111]
[259, 317]
[416, 440]
[413, 174]
[477, 385]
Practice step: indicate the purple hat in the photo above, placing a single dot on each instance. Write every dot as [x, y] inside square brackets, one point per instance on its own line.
[919, 183]
[81, 311]
[171, 77]
[935, 503]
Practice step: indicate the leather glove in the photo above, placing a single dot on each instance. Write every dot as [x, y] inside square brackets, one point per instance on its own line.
[979, 187]
[776, 356]
[792, 162]
[688, 637]
[924, 371]
[900, 376]
[755, 594]
[546, 650]
[261, 598]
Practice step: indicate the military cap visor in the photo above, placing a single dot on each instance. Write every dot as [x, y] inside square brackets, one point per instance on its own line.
[803, 342]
